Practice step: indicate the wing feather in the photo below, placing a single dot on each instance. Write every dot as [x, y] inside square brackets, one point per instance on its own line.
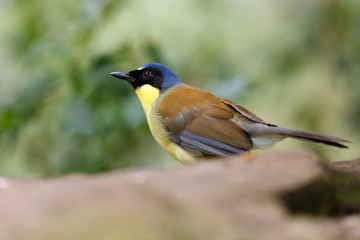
[244, 112]
[208, 130]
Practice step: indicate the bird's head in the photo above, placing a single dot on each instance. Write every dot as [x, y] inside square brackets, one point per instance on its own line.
[154, 74]
[149, 81]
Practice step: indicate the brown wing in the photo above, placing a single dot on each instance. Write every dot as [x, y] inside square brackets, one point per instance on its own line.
[243, 111]
[202, 124]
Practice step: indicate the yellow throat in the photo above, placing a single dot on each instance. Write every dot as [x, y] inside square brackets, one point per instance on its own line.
[147, 95]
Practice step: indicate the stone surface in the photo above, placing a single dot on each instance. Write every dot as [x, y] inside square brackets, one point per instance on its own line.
[275, 196]
[345, 177]
[351, 167]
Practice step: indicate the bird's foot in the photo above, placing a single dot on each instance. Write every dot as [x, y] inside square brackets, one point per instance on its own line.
[245, 157]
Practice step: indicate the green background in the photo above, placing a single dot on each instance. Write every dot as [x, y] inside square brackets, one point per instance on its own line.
[293, 63]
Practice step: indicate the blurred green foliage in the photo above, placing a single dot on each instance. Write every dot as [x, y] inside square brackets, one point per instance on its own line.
[293, 63]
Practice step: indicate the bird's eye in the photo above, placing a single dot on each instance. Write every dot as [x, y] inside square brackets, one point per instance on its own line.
[146, 74]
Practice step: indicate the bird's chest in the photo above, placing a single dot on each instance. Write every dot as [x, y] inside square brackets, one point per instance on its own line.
[157, 128]
[149, 98]
[161, 136]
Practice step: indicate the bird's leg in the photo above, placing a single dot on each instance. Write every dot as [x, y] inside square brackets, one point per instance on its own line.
[245, 157]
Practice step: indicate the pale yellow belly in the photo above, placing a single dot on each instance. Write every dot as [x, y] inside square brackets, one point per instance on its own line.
[164, 141]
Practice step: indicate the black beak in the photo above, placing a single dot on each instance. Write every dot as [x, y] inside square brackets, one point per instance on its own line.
[123, 75]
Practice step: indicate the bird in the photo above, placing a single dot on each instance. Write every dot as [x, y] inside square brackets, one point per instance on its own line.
[192, 124]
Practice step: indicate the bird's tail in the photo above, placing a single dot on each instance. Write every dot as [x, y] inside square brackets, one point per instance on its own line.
[305, 135]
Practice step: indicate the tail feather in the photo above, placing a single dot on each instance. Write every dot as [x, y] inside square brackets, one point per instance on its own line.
[306, 135]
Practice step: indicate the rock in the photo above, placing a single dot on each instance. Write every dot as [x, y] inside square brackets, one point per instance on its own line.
[275, 196]
[345, 177]
[350, 226]
[351, 167]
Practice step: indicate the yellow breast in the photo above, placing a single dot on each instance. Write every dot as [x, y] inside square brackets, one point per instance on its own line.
[150, 99]
[147, 95]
